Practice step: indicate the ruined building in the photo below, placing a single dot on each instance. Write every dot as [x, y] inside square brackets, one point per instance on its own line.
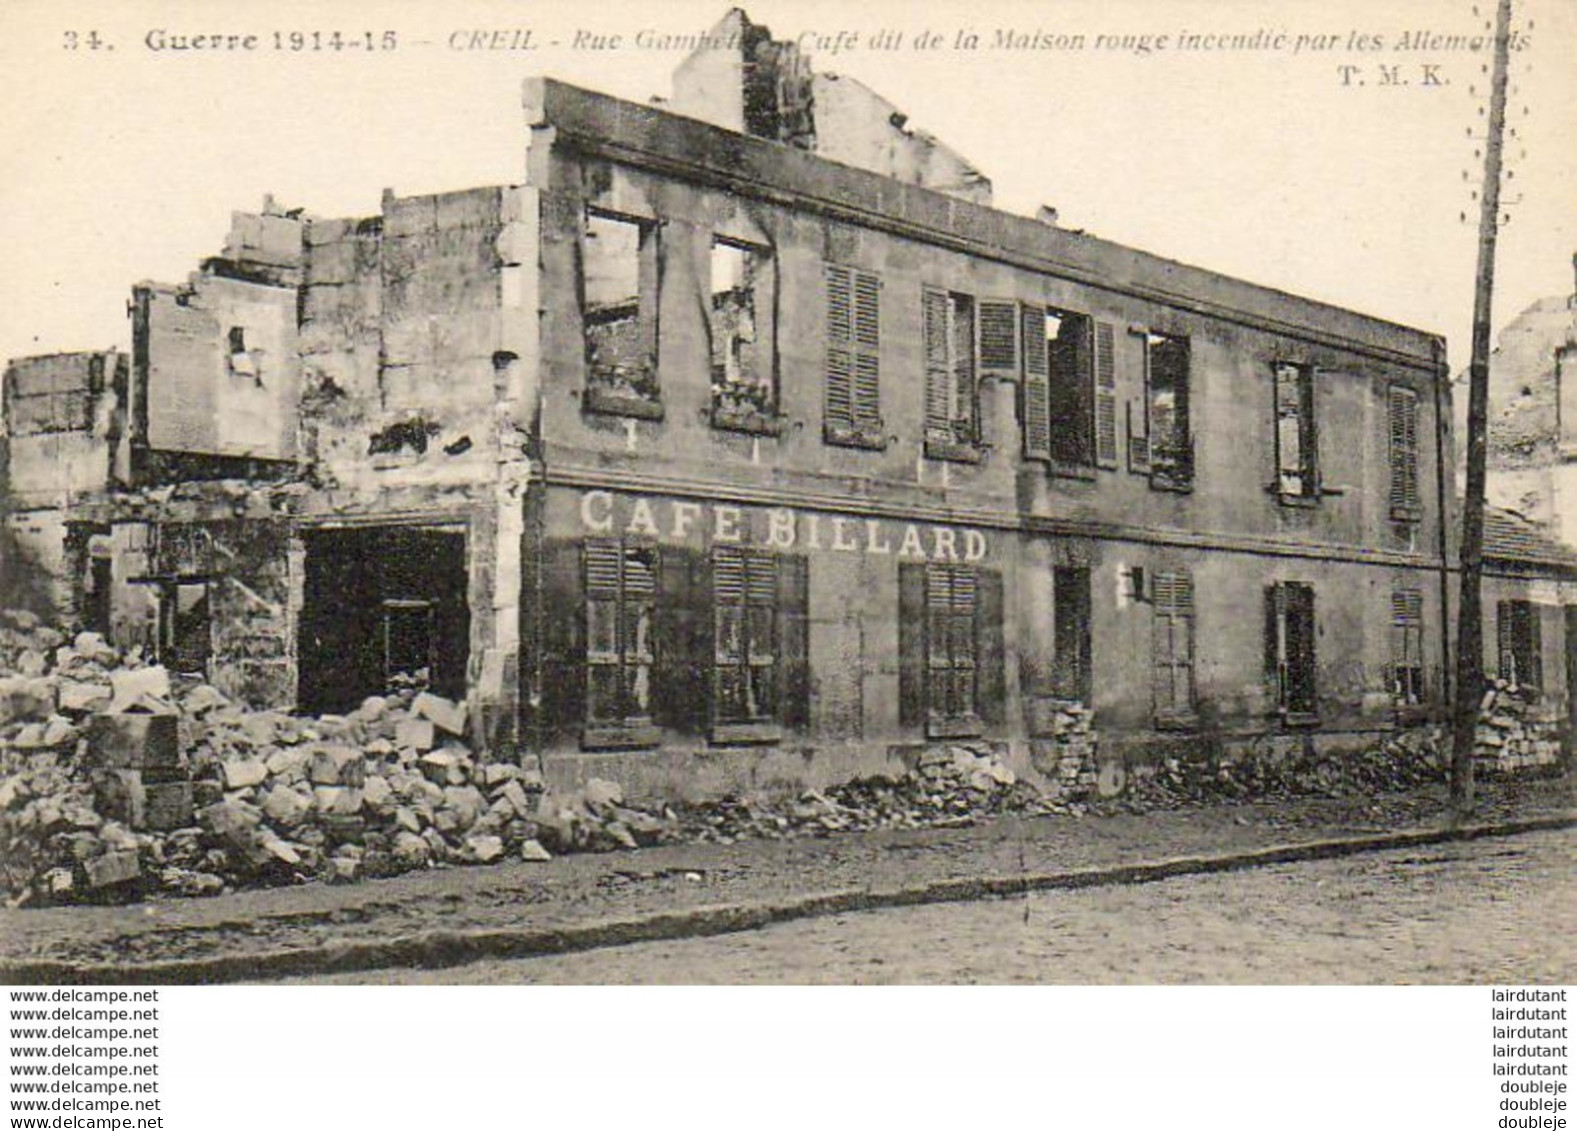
[745, 443]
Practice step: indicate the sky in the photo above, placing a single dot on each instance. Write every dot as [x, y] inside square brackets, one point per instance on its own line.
[1296, 165]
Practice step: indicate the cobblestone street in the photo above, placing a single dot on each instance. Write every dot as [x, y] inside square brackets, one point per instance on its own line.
[1500, 910]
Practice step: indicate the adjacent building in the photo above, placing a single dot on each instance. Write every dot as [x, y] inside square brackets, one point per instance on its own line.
[761, 450]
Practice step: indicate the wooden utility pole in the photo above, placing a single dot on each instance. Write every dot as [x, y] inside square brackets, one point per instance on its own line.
[1470, 623]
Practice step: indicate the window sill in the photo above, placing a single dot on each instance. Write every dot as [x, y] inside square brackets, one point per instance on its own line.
[1288, 500]
[869, 436]
[1073, 471]
[611, 403]
[1177, 722]
[745, 734]
[953, 451]
[1406, 514]
[611, 736]
[968, 726]
[1299, 719]
[1160, 482]
[748, 421]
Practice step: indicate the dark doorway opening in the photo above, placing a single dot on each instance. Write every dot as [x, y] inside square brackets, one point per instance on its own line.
[382, 603]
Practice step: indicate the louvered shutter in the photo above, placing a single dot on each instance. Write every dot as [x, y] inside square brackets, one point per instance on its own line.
[998, 338]
[1506, 663]
[991, 650]
[1275, 647]
[1172, 645]
[966, 407]
[1138, 412]
[1105, 396]
[938, 374]
[1036, 392]
[840, 411]
[1402, 420]
[911, 644]
[793, 602]
[867, 342]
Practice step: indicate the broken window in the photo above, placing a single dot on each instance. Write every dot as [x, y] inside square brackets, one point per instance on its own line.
[1297, 471]
[381, 603]
[952, 408]
[1059, 386]
[745, 635]
[1402, 428]
[1517, 634]
[185, 627]
[744, 392]
[1160, 443]
[1172, 648]
[1070, 673]
[408, 639]
[621, 591]
[1407, 646]
[619, 313]
[239, 359]
[853, 413]
[1289, 649]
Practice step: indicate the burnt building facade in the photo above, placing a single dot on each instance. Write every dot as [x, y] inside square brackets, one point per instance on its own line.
[702, 461]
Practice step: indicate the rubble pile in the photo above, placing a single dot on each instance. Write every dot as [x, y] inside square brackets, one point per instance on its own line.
[1517, 731]
[1407, 759]
[117, 781]
[950, 785]
[1070, 750]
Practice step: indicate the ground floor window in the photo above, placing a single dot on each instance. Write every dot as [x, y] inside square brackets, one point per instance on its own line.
[1070, 676]
[1407, 646]
[951, 649]
[1172, 648]
[185, 627]
[1517, 634]
[1289, 649]
[381, 605]
[621, 590]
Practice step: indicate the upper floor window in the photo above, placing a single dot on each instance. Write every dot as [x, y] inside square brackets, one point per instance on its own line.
[744, 391]
[1297, 468]
[619, 313]
[1059, 355]
[1402, 429]
[952, 406]
[1160, 442]
[852, 407]
[1517, 634]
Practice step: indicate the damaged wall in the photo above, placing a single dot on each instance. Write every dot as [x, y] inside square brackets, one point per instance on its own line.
[744, 80]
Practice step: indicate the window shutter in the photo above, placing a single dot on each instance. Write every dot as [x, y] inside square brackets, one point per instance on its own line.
[938, 378]
[1503, 635]
[1105, 396]
[1037, 385]
[563, 641]
[840, 348]
[966, 399]
[990, 648]
[1138, 414]
[867, 341]
[911, 643]
[999, 338]
[793, 604]
[1402, 414]
[1275, 619]
[679, 625]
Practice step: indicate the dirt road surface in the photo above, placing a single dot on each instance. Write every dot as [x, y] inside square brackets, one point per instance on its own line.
[1502, 910]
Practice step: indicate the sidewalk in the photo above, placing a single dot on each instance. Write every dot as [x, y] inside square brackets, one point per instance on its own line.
[446, 917]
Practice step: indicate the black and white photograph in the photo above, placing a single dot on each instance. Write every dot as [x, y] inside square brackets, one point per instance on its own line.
[1035, 494]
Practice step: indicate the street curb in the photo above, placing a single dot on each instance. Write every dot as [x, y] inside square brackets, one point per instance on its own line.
[439, 949]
